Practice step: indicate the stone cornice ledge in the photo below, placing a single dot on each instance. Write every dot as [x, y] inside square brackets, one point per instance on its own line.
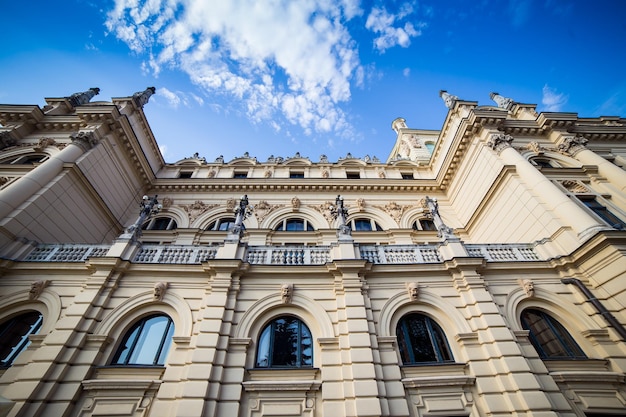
[294, 385]
[120, 384]
[438, 381]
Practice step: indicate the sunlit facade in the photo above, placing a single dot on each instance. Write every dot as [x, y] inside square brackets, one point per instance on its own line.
[479, 270]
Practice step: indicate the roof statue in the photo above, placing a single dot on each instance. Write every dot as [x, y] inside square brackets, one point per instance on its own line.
[78, 99]
[502, 102]
[141, 97]
[448, 99]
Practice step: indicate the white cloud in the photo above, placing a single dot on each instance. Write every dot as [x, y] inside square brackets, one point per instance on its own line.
[552, 100]
[296, 59]
[391, 32]
[177, 98]
[406, 72]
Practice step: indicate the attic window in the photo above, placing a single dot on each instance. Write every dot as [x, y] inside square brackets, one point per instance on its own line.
[185, 174]
[407, 176]
[240, 174]
[353, 175]
[296, 174]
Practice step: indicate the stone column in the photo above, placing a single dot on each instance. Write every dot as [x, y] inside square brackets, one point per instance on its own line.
[200, 392]
[358, 393]
[21, 190]
[577, 218]
[575, 147]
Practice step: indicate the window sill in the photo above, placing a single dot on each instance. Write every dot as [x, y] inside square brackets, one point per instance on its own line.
[436, 374]
[283, 379]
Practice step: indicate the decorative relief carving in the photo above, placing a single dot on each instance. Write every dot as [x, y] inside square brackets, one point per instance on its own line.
[212, 173]
[6, 139]
[326, 209]
[267, 173]
[43, 144]
[572, 145]
[574, 186]
[5, 180]
[360, 203]
[295, 203]
[196, 209]
[263, 208]
[394, 210]
[86, 140]
[36, 288]
[231, 203]
[286, 293]
[166, 203]
[412, 289]
[528, 286]
[381, 173]
[159, 290]
[325, 173]
[535, 147]
[499, 142]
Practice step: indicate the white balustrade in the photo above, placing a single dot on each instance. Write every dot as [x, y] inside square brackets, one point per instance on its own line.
[286, 255]
[66, 253]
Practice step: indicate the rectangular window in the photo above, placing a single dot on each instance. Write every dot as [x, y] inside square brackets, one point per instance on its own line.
[407, 176]
[185, 174]
[296, 174]
[240, 174]
[353, 175]
[602, 212]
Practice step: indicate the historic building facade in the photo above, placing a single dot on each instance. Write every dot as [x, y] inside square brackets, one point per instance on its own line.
[479, 271]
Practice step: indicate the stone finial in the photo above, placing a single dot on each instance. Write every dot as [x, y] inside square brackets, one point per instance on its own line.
[78, 99]
[159, 290]
[286, 293]
[502, 102]
[36, 288]
[528, 286]
[412, 289]
[141, 97]
[448, 99]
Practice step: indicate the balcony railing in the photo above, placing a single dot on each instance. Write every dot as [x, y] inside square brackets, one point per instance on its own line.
[66, 253]
[283, 255]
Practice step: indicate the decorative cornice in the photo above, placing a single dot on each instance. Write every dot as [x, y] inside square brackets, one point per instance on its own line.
[572, 145]
[162, 186]
[499, 142]
[85, 140]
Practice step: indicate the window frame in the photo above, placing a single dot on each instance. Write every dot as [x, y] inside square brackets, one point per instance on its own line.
[560, 334]
[419, 225]
[374, 226]
[268, 332]
[438, 342]
[282, 226]
[216, 226]
[149, 225]
[601, 211]
[138, 326]
[20, 343]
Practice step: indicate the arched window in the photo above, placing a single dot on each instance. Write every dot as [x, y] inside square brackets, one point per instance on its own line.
[160, 223]
[549, 337]
[421, 341]
[543, 162]
[430, 146]
[14, 335]
[146, 343]
[25, 159]
[363, 224]
[424, 224]
[294, 225]
[285, 342]
[222, 224]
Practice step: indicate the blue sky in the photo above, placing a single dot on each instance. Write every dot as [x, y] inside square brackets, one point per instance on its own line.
[276, 77]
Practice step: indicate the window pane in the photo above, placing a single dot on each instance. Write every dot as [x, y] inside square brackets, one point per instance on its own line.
[421, 340]
[295, 225]
[364, 225]
[147, 342]
[263, 350]
[285, 343]
[549, 337]
[14, 335]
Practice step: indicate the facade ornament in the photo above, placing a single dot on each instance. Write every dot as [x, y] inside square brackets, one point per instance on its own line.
[6, 139]
[43, 144]
[242, 212]
[295, 203]
[535, 147]
[230, 204]
[212, 173]
[448, 99]
[85, 140]
[360, 203]
[326, 210]
[79, 99]
[573, 186]
[36, 288]
[528, 286]
[502, 102]
[141, 97]
[196, 209]
[148, 208]
[323, 159]
[286, 293]
[572, 145]
[394, 210]
[381, 173]
[325, 173]
[262, 209]
[412, 289]
[444, 231]
[159, 290]
[220, 159]
[4, 180]
[267, 173]
[499, 142]
[167, 203]
[340, 213]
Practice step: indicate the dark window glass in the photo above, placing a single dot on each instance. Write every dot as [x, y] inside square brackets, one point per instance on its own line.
[294, 225]
[240, 175]
[160, 223]
[185, 175]
[427, 224]
[602, 212]
[285, 343]
[222, 224]
[407, 176]
[543, 163]
[296, 175]
[421, 341]
[147, 342]
[14, 335]
[364, 225]
[549, 337]
[353, 175]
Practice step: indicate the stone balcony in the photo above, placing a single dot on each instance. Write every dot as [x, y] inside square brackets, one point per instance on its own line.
[283, 255]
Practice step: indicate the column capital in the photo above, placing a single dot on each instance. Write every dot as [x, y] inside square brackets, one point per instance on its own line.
[572, 145]
[86, 140]
[499, 142]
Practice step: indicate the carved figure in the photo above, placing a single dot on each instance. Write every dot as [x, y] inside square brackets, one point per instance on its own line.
[360, 203]
[502, 102]
[286, 292]
[159, 290]
[413, 290]
[295, 203]
[141, 97]
[448, 99]
[529, 287]
[36, 288]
